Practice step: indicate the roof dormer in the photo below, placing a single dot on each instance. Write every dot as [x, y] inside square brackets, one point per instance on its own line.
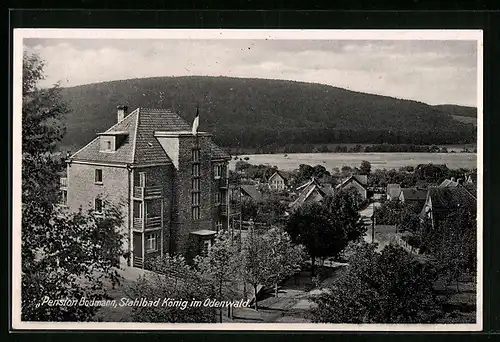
[111, 141]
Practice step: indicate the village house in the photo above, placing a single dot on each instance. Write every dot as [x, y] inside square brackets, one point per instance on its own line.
[277, 182]
[311, 191]
[413, 196]
[249, 191]
[170, 182]
[442, 201]
[393, 191]
[450, 183]
[356, 182]
[471, 178]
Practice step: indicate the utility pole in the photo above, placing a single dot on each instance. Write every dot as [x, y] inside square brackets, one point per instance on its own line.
[373, 224]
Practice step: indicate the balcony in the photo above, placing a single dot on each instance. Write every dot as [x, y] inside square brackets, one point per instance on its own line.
[148, 223]
[142, 192]
[63, 183]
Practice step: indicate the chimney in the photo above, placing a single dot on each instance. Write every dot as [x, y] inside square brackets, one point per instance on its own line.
[121, 112]
[452, 179]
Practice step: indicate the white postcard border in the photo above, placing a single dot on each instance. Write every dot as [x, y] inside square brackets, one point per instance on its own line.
[20, 34]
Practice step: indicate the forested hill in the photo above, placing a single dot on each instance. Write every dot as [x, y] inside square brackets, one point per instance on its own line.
[469, 112]
[257, 113]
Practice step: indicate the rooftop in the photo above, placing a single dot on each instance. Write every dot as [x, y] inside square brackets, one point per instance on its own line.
[141, 146]
[179, 133]
[414, 194]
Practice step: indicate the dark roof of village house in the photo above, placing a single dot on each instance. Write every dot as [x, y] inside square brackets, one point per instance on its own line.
[251, 191]
[356, 178]
[413, 194]
[309, 188]
[140, 145]
[313, 180]
[446, 198]
[471, 188]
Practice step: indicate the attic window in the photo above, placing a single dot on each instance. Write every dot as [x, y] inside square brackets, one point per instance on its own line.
[108, 145]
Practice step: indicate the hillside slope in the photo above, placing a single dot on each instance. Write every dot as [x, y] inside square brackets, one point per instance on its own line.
[455, 110]
[259, 112]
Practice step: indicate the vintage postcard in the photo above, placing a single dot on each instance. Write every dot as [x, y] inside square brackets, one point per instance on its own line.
[247, 179]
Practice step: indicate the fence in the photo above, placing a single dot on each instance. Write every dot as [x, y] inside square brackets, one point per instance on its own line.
[400, 241]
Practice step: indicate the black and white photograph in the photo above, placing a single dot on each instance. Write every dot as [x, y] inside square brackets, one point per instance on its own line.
[247, 179]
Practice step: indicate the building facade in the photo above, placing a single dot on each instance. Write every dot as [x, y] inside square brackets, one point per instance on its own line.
[277, 182]
[170, 185]
[356, 182]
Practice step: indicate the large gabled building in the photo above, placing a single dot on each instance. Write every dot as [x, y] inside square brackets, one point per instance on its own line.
[171, 184]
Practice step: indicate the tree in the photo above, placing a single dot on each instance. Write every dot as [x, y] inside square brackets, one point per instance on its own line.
[221, 268]
[365, 168]
[286, 257]
[325, 228]
[177, 285]
[41, 130]
[395, 212]
[344, 207]
[390, 287]
[257, 262]
[306, 172]
[68, 255]
[452, 244]
[64, 255]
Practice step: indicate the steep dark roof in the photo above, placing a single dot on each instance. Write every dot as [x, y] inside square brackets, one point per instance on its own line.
[471, 188]
[141, 146]
[363, 179]
[124, 154]
[251, 191]
[308, 189]
[446, 198]
[313, 180]
[414, 194]
[351, 178]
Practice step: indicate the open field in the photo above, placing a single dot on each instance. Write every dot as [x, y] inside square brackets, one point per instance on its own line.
[377, 160]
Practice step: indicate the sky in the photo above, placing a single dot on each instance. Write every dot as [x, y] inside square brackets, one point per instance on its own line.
[430, 71]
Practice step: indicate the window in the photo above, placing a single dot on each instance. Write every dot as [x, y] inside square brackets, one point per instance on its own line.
[108, 145]
[98, 176]
[138, 209]
[217, 171]
[196, 184]
[151, 242]
[196, 170]
[64, 197]
[218, 197]
[195, 198]
[142, 179]
[206, 247]
[195, 213]
[195, 155]
[218, 225]
[98, 205]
